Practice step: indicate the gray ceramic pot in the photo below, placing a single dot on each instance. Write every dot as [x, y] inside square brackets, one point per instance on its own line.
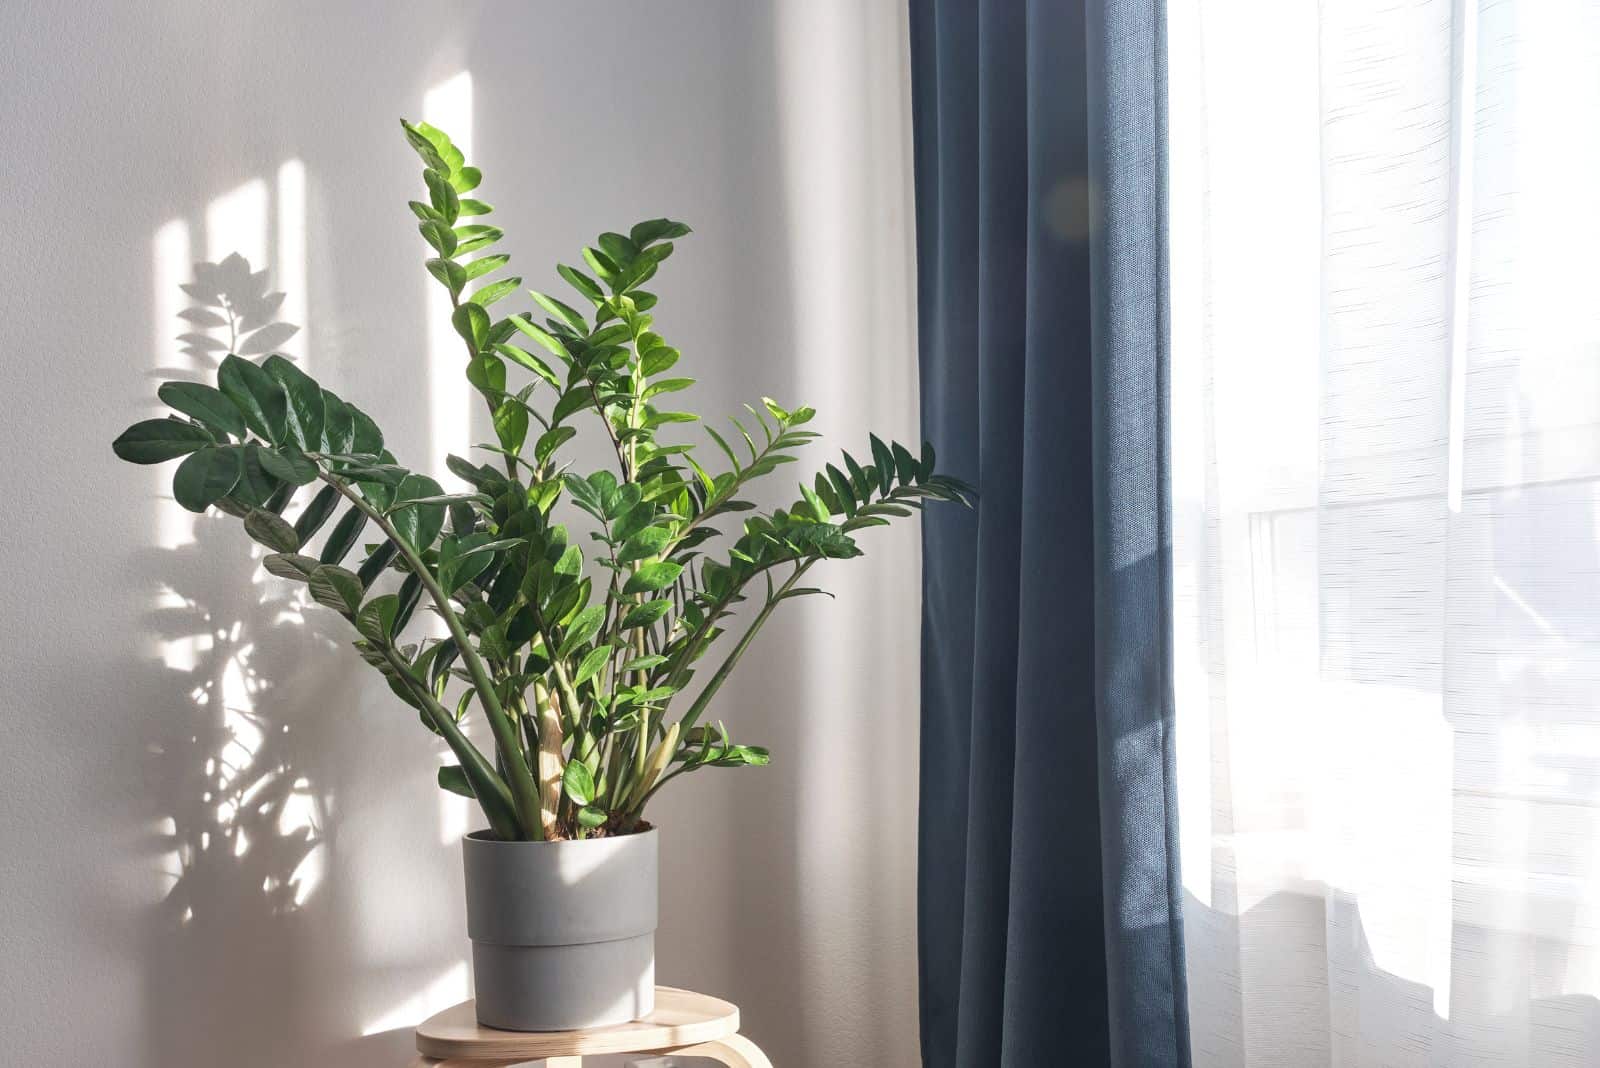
[563, 933]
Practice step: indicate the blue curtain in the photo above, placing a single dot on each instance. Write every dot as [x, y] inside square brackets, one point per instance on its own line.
[1048, 887]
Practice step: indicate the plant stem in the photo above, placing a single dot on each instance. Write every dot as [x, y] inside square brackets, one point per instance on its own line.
[524, 791]
[499, 809]
[693, 715]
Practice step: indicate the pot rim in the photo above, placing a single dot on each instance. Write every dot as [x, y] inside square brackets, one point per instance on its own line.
[483, 837]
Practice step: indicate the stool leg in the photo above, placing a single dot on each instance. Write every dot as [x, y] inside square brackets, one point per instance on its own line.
[735, 1051]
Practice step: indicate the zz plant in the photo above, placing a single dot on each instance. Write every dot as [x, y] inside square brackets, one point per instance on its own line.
[578, 662]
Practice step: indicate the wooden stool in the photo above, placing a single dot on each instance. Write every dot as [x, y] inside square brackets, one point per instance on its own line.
[684, 1023]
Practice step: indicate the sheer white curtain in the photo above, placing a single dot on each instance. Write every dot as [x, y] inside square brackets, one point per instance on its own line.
[1386, 438]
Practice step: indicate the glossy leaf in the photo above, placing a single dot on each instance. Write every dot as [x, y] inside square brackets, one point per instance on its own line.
[155, 441]
[206, 477]
[205, 404]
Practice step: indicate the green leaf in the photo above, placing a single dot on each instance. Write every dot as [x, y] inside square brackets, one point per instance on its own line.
[466, 179]
[289, 464]
[476, 236]
[653, 230]
[305, 412]
[289, 566]
[590, 817]
[271, 530]
[369, 439]
[585, 625]
[646, 543]
[542, 336]
[338, 424]
[418, 526]
[484, 264]
[645, 663]
[577, 781]
[257, 396]
[453, 779]
[437, 233]
[644, 614]
[410, 594]
[657, 360]
[450, 273]
[487, 374]
[206, 477]
[527, 359]
[591, 664]
[617, 248]
[442, 195]
[667, 385]
[582, 283]
[511, 424]
[155, 441]
[346, 533]
[561, 311]
[653, 577]
[316, 513]
[460, 561]
[375, 621]
[550, 441]
[336, 588]
[883, 460]
[495, 290]
[204, 403]
[905, 464]
[472, 323]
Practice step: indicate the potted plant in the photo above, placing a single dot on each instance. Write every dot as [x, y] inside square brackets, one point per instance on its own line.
[579, 663]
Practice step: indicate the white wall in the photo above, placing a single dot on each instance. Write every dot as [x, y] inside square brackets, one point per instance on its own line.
[139, 647]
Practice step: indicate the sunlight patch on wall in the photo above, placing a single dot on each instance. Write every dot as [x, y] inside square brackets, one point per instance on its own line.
[448, 989]
[291, 259]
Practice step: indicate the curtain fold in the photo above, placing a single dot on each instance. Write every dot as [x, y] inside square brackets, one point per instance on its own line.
[1048, 921]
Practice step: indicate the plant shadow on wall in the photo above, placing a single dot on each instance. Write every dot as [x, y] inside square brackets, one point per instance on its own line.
[234, 768]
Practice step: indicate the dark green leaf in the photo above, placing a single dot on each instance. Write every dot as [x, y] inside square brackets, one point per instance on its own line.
[653, 230]
[305, 401]
[154, 441]
[257, 395]
[346, 533]
[336, 588]
[289, 566]
[271, 531]
[316, 513]
[205, 404]
[376, 618]
[206, 477]
[453, 779]
[419, 526]
[289, 464]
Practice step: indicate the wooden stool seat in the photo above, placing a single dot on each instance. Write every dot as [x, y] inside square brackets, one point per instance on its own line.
[686, 1023]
